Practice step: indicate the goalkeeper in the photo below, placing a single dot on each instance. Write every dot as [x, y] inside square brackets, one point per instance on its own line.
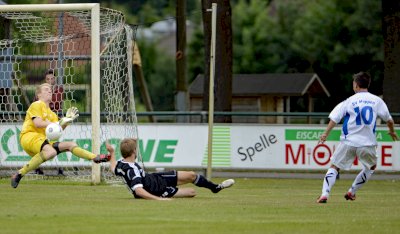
[33, 137]
[156, 186]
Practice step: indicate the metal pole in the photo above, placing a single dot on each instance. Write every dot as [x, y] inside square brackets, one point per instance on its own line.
[211, 90]
[95, 68]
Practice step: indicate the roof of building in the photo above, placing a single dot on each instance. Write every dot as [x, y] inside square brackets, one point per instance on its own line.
[290, 84]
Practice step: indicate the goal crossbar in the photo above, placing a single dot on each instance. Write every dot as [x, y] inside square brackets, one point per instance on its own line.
[48, 7]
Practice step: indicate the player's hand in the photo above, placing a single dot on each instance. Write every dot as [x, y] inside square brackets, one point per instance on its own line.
[72, 113]
[322, 138]
[109, 148]
[65, 121]
[70, 116]
[394, 136]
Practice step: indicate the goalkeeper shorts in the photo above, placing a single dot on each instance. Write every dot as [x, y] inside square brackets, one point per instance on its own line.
[32, 142]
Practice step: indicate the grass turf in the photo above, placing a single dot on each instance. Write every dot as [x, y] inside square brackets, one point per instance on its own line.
[250, 206]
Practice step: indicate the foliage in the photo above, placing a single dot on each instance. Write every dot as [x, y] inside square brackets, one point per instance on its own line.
[334, 39]
[326, 37]
[337, 34]
[195, 55]
[160, 72]
[158, 68]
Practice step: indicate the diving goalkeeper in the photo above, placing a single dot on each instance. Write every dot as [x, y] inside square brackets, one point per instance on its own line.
[33, 137]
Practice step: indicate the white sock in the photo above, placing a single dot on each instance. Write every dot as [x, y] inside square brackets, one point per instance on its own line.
[329, 181]
[360, 180]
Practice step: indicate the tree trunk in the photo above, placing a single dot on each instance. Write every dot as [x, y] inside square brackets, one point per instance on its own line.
[391, 36]
[181, 81]
[223, 58]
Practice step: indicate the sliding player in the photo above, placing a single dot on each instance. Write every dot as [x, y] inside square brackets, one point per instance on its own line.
[156, 186]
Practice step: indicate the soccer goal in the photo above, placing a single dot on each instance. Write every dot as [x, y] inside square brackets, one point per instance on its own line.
[88, 49]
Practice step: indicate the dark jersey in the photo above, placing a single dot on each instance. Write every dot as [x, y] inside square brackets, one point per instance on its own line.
[158, 184]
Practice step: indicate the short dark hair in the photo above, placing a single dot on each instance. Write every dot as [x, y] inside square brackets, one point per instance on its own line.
[362, 79]
[49, 72]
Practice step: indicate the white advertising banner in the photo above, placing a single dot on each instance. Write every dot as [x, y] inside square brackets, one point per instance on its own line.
[288, 147]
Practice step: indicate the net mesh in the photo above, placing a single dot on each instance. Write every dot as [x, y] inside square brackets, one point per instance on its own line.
[35, 43]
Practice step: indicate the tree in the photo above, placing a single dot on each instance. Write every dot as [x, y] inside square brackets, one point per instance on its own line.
[332, 36]
[181, 80]
[334, 39]
[159, 72]
[223, 57]
[391, 34]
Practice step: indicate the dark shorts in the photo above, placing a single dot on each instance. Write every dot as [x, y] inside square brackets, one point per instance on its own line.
[171, 178]
[163, 184]
[169, 192]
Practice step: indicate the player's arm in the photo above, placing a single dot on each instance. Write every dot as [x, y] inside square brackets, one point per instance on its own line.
[334, 117]
[36, 114]
[40, 123]
[325, 134]
[113, 161]
[141, 192]
[392, 133]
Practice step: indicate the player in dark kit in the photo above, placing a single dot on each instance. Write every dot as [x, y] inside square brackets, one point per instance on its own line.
[156, 186]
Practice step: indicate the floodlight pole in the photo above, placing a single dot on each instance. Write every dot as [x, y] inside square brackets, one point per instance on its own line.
[211, 88]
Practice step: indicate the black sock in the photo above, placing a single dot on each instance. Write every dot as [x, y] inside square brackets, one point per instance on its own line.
[201, 181]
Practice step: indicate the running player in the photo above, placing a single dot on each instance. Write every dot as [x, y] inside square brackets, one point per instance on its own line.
[359, 112]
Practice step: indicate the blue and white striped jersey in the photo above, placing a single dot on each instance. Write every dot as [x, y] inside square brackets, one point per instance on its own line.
[359, 113]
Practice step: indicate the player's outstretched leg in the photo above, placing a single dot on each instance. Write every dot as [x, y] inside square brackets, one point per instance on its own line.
[78, 151]
[102, 158]
[31, 165]
[201, 181]
[225, 184]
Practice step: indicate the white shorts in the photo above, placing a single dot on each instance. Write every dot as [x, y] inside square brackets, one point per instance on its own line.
[344, 156]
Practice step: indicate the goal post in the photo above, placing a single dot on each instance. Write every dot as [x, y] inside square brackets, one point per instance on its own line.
[89, 51]
[95, 69]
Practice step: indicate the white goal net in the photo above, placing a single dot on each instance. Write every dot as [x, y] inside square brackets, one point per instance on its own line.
[62, 39]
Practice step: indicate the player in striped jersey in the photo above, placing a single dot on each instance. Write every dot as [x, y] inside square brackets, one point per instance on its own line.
[156, 186]
[359, 113]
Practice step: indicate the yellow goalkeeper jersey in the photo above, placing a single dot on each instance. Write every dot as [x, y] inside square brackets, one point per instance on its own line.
[37, 109]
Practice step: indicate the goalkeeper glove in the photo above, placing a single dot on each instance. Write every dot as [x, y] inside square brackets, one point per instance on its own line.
[71, 115]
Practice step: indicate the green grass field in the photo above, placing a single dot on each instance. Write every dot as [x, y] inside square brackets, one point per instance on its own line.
[250, 206]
